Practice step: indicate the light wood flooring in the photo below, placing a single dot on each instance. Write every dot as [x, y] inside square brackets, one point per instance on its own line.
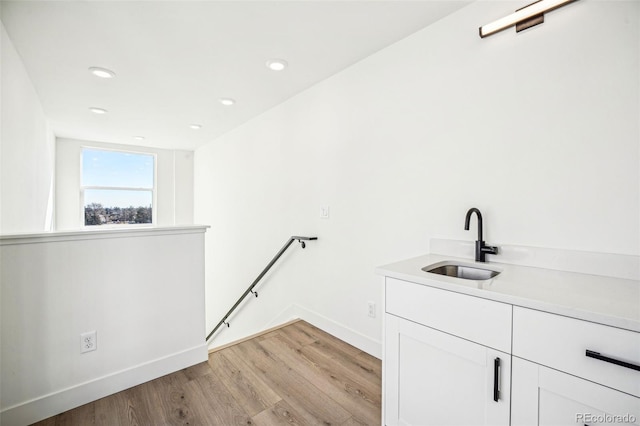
[295, 375]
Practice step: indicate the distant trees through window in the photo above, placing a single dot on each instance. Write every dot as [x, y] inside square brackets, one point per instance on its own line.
[117, 187]
[97, 214]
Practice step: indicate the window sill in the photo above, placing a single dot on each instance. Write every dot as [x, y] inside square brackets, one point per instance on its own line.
[93, 234]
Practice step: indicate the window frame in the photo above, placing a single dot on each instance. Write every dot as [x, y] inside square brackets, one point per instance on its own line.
[83, 188]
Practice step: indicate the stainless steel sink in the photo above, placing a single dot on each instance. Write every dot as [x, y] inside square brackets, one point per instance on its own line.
[457, 270]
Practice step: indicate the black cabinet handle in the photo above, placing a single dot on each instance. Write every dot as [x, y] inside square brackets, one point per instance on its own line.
[496, 379]
[597, 355]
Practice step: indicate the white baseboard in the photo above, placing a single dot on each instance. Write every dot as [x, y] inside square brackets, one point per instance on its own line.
[342, 332]
[66, 399]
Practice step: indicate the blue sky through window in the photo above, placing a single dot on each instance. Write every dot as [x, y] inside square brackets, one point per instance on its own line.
[101, 168]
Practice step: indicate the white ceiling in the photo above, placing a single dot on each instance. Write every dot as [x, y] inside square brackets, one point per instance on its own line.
[175, 59]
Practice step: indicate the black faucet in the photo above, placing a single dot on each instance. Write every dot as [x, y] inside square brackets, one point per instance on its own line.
[481, 248]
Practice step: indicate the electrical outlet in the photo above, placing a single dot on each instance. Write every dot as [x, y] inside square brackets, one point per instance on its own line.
[88, 341]
[372, 309]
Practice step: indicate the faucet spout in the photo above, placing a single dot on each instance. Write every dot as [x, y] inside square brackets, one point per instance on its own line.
[468, 218]
[481, 248]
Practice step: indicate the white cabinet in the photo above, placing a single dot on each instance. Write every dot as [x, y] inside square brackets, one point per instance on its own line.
[557, 381]
[472, 318]
[562, 343]
[442, 365]
[445, 353]
[435, 378]
[547, 397]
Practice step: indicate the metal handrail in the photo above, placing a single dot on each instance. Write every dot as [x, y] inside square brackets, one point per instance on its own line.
[301, 240]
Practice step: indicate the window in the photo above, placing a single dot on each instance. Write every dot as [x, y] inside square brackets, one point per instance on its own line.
[117, 187]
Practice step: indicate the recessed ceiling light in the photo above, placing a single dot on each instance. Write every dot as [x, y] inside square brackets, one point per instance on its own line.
[96, 110]
[227, 101]
[276, 64]
[196, 126]
[102, 72]
[139, 138]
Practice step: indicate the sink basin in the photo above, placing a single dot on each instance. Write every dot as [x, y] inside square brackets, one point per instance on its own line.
[457, 270]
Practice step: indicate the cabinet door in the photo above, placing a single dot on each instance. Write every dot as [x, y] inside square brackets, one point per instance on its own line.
[543, 396]
[434, 378]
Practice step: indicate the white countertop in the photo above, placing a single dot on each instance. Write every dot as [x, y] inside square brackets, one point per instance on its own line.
[604, 300]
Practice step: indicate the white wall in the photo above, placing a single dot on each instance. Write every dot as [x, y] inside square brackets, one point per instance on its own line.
[26, 150]
[141, 290]
[183, 187]
[539, 130]
[174, 185]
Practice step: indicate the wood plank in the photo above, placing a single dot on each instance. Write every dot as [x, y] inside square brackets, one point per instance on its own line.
[302, 333]
[370, 364]
[346, 354]
[324, 337]
[212, 403]
[197, 370]
[352, 421]
[334, 350]
[280, 413]
[111, 411]
[360, 371]
[167, 396]
[314, 406]
[355, 395]
[84, 415]
[176, 378]
[138, 411]
[246, 387]
[172, 402]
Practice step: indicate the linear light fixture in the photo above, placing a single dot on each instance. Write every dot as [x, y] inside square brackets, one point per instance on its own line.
[524, 18]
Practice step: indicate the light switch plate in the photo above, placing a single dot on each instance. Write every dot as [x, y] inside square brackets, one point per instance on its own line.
[324, 212]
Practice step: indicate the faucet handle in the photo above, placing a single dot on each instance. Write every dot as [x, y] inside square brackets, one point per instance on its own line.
[489, 249]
